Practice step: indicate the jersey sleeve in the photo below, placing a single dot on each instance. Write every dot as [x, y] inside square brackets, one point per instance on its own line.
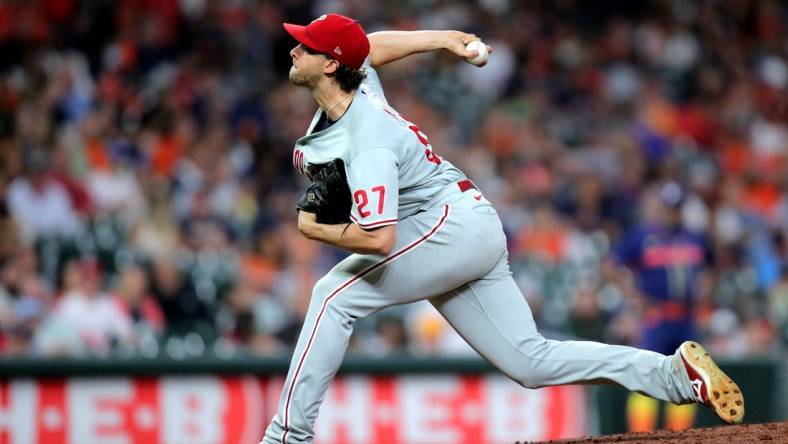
[372, 81]
[373, 177]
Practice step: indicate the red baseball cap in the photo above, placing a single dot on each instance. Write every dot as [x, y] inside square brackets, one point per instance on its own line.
[340, 37]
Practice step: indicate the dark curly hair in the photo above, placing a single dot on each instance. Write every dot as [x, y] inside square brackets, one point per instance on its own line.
[349, 79]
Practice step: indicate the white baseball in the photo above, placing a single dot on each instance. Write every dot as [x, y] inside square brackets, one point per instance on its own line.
[481, 58]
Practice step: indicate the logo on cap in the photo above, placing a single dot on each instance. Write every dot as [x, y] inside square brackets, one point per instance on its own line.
[337, 50]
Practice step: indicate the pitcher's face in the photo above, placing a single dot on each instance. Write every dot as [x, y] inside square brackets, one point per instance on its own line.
[307, 66]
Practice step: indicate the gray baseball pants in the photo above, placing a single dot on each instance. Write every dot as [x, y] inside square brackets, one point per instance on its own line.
[453, 253]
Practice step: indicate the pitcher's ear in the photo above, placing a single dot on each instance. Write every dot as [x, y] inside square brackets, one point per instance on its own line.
[331, 66]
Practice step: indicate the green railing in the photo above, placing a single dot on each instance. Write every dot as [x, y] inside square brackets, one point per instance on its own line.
[42, 368]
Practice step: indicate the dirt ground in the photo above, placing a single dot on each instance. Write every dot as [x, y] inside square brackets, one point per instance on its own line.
[774, 432]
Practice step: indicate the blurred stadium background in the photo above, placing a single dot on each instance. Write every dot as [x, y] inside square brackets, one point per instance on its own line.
[152, 279]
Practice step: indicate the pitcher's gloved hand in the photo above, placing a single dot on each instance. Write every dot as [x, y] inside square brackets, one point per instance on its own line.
[329, 195]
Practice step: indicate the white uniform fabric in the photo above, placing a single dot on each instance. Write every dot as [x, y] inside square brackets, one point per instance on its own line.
[390, 165]
[451, 250]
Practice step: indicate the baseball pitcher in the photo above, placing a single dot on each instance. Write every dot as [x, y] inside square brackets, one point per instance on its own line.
[420, 229]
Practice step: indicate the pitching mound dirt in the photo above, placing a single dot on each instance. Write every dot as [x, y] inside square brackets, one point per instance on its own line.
[774, 432]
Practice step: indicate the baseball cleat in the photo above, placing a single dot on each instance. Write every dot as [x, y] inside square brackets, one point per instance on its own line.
[710, 386]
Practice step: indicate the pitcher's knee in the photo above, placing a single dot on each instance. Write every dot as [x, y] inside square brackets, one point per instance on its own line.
[532, 381]
[326, 287]
[524, 372]
[326, 297]
[531, 371]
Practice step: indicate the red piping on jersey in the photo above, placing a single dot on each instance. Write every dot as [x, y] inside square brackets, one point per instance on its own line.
[339, 290]
[375, 224]
[298, 160]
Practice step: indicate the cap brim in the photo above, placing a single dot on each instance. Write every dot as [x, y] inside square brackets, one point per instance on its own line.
[299, 33]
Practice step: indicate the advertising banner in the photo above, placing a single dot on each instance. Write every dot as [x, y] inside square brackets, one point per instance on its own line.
[208, 409]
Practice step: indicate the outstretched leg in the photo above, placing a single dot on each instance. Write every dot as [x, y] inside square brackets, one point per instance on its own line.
[492, 315]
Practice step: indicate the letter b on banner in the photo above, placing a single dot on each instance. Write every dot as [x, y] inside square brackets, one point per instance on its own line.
[194, 408]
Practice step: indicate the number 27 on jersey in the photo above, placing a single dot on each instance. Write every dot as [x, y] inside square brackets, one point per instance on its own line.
[361, 198]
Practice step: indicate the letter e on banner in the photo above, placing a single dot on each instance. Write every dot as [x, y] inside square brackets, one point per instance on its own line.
[427, 409]
[96, 410]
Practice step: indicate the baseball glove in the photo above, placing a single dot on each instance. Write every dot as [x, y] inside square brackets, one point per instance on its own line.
[329, 195]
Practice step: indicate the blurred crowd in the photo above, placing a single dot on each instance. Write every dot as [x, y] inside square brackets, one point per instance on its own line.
[148, 191]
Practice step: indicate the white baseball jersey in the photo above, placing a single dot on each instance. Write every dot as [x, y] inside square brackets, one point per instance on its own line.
[391, 168]
[450, 251]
